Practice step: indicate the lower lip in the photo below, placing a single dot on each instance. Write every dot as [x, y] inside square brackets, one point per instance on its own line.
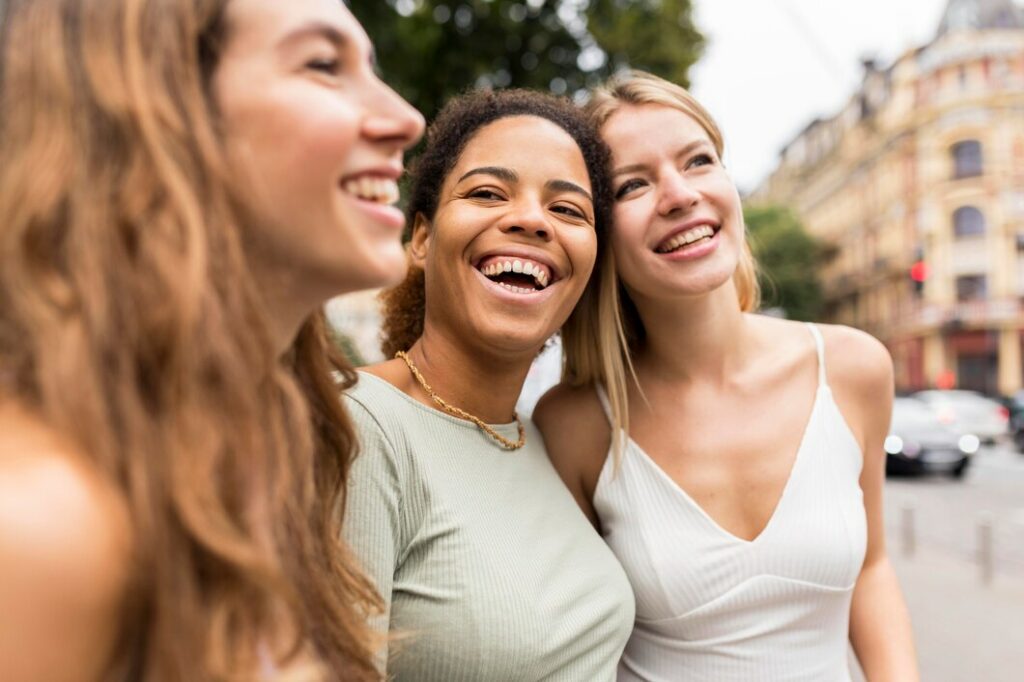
[382, 213]
[693, 251]
[515, 297]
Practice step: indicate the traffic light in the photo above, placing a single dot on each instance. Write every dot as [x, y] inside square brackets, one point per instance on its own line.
[918, 274]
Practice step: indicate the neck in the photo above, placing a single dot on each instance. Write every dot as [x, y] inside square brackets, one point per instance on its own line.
[702, 338]
[288, 303]
[485, 384]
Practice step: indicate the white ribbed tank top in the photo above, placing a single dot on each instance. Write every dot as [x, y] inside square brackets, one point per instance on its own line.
[717, 608]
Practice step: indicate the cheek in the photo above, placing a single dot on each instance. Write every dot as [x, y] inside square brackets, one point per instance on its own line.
[582, 250]
[290, 140]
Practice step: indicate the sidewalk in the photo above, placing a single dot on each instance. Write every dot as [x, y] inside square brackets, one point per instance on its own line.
[965, 632]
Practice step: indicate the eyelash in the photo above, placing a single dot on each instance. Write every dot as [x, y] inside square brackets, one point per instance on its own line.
[484, 194]
[329, 66]
[628, 186]
[570, 211]
[705, 160]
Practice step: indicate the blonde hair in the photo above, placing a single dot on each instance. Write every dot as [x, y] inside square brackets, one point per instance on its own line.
[603, 332]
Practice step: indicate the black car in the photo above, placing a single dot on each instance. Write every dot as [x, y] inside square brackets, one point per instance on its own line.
[919, 442]
[1015, 406]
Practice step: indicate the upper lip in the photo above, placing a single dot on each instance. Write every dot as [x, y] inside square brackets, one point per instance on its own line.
[522, 252]
[689, 225]
[391, 171]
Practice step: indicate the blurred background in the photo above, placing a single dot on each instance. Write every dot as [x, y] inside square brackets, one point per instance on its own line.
[879, 147]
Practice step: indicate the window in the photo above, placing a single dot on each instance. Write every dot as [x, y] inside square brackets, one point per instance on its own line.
[966, 159]
[968, 222]
[971, 288]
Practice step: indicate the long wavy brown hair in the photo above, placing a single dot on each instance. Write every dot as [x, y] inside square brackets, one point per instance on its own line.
[129, 321]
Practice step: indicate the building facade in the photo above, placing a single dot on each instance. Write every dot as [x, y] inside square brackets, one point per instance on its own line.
[916, 192]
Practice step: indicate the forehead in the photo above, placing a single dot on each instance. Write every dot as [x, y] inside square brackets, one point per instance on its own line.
[638, 129]
[261, 22]
[525, 143]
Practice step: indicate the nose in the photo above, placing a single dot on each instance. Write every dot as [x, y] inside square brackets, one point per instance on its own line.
[676, 193]
[528, 218]
[391, 120]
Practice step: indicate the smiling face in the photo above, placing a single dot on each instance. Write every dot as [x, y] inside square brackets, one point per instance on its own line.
[678, 220]
[315, 142]
[512, 243]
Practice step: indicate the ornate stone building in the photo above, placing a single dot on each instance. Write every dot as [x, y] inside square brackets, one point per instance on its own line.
[916, 190]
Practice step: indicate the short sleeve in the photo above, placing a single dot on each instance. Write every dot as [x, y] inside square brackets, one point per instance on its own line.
[372, 524]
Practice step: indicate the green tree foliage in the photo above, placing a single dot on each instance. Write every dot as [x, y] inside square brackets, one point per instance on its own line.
[430, 50]
[788, 260]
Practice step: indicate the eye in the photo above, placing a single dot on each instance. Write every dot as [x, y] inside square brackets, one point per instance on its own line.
[484, 193]
[569, 210]
[629, 186]
[329, 65]
[701, 160]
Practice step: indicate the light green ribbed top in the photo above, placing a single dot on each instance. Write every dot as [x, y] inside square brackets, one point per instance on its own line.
[489, 569]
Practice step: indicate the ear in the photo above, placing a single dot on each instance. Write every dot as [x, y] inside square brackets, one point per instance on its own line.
[419, 245]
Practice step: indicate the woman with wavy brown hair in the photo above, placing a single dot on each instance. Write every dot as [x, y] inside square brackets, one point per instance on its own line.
[182, 185]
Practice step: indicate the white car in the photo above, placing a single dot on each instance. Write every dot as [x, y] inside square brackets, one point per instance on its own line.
[969, 412]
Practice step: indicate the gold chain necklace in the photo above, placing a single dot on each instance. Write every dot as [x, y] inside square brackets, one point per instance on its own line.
[462, 414]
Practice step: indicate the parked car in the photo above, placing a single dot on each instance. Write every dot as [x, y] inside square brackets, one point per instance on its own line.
[919, 442]
[1015, 405]
[969, 412]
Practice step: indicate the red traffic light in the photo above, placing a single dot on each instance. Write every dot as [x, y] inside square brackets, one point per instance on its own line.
[919, 271]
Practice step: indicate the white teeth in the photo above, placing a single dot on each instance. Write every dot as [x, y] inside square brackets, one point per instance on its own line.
[518, 290]
[540, 273]
[688, 237]
[376, 189]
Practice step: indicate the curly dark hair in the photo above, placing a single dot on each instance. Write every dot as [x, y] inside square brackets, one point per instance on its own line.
[457, 123]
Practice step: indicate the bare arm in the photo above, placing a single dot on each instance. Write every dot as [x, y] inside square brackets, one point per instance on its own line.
[64, 558]
[577, 437]
[880, 629]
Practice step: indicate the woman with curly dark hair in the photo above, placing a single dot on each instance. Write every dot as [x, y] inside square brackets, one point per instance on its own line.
[183, 183]
[488, 569]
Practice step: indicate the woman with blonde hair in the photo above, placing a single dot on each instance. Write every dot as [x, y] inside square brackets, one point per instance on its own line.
[182, 186]
[732, 461]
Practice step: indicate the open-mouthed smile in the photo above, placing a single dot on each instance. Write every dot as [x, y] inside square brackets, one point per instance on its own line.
[517, 273]
[688, 238]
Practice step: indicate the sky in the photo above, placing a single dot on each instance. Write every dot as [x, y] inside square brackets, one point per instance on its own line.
[772, 66]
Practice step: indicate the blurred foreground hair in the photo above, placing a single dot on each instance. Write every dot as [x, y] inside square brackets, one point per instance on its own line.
[130, 323]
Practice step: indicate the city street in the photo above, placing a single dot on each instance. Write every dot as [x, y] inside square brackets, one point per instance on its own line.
[966, 630]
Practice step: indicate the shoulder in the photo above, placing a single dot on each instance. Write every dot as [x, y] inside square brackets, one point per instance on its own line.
[856, 362]
[569, 411]
[575, 429]
[860, 373]
[65, 545]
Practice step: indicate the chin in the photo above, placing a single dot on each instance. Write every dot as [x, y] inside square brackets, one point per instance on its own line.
[522, 342]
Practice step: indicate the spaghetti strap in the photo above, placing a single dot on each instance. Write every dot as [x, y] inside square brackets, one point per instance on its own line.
[606, 406]
[820, 344]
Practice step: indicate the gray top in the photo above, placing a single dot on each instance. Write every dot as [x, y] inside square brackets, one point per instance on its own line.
[488, 568]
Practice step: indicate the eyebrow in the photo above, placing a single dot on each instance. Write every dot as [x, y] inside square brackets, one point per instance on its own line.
[641, 166]
[506, 174]
[566, 186]
[510, 176]
[316, 29]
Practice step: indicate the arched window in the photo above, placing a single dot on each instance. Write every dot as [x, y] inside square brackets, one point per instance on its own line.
[968, 222]
[966, 159]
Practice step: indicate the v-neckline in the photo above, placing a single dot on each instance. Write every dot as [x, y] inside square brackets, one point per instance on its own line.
[688, 499]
